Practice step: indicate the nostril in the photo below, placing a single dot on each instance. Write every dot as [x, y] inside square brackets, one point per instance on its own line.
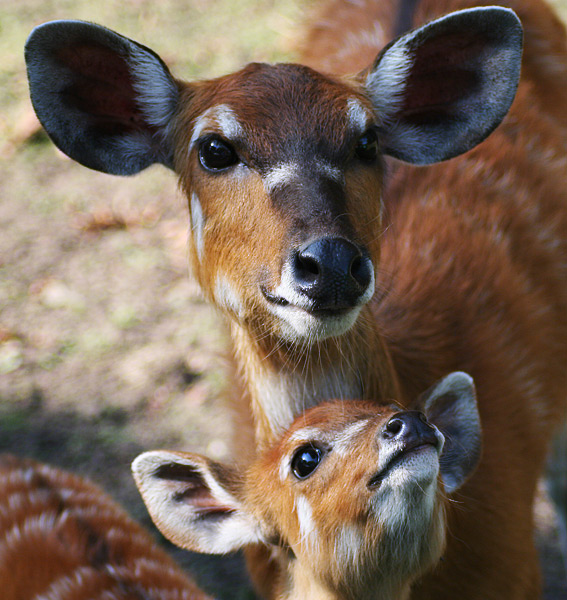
[393, 428]
[355, 266]
[361, 271]
[307, 269]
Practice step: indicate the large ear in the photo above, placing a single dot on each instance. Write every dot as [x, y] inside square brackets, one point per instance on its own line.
[441, 89]
[189, 500]
[451, 406]
[105, 100]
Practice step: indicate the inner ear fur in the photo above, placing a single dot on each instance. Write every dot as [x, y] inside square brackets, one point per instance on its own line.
[451, 406]
[105, 100]
[195, 501]
[443, 88]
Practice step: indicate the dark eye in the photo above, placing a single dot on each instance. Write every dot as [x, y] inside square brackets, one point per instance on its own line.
[216, 154]
[367, 146]
[305, 460]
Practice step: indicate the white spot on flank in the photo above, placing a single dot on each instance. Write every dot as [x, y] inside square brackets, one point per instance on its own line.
[357, 115]
[220, 118]
[197, 225]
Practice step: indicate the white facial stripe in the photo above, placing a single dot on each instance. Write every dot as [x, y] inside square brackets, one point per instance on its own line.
[327, 170]
[226, 297]
[343, 442]
[221, 118]
[348, 544]
[228, 123]
[197, 225]
[306, 434]
[285, 173]
[280, 175]
[305, 517]
[358, 116]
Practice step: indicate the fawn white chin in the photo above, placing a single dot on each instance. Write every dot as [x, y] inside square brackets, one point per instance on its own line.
[350, 500]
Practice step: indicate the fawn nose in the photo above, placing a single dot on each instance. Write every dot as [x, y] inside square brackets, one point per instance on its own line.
[332, 272]
[410, 428]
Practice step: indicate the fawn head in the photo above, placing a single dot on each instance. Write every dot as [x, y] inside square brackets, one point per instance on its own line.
[351, 497]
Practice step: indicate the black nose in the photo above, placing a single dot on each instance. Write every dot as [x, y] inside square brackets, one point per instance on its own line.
[332, 272]
[410, 428]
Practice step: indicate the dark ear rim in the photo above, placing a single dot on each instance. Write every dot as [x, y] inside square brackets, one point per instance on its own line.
[155, 94]
[428, 143]
[451, 406]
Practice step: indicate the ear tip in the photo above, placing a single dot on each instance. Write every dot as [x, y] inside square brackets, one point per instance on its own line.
[147, 462]
[460, 377]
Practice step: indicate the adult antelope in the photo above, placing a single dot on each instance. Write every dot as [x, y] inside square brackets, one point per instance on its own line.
[298, 215]
[63, 538]
[351, 500]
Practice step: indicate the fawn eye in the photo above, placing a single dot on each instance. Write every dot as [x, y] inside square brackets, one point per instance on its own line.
[367, 147]
[305, 460]
[216, 154]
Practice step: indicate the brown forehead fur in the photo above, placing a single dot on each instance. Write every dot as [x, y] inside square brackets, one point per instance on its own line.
[284, 109]
[332, 416]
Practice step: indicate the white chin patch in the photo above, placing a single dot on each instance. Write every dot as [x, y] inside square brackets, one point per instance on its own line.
[297, 321]
[297, 324]
[417, 468]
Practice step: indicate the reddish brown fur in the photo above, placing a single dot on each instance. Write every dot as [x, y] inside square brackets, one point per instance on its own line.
[472, 276]
[62, 537]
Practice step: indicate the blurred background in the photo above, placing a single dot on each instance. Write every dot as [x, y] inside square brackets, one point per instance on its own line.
[106, 346]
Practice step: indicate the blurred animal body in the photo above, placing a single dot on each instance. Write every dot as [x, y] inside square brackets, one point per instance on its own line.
[63, 538]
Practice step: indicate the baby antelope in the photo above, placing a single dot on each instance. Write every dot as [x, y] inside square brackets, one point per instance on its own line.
[351, 499]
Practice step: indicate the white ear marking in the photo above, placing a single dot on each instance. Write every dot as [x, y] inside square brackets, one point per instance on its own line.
[157, 92]
[386, 84]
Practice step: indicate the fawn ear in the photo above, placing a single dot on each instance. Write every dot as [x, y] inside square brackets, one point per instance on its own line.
[441, 89]
[451, 406]
[104, 99]
[190, 500]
